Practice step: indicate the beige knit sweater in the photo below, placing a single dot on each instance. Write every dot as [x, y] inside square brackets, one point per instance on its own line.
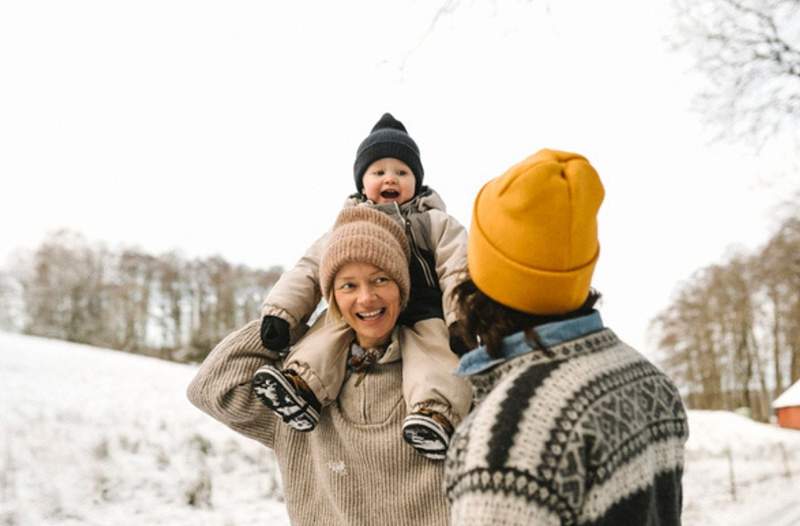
[354, 468]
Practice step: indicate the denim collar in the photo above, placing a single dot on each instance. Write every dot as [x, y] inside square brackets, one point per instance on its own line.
[550, 334]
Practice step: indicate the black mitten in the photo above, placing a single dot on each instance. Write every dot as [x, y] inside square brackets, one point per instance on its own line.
[274, 333]
[457, 344]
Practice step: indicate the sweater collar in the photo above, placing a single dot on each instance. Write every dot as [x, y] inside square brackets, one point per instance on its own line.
[388, 355]
[550, 334]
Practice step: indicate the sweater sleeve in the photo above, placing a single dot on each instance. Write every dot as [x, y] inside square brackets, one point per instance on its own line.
[222, 387]
[636, 483]
[449, 238]
[297, 293]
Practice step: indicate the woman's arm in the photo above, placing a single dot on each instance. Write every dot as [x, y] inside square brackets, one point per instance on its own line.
[222, 387]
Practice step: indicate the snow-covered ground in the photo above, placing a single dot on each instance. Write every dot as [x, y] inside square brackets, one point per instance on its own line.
[99, 437]
[765, 464]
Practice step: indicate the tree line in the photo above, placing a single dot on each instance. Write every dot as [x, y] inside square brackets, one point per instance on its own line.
[731, 335]
[162, 305]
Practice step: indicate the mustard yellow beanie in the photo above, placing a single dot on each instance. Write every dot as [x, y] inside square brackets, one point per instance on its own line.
[533, 242]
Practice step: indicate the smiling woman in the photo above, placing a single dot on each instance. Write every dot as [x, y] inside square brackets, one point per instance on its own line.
[352, 469]
[368, 300]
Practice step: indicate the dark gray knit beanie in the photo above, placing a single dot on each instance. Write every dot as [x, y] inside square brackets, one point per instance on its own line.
[388, 138]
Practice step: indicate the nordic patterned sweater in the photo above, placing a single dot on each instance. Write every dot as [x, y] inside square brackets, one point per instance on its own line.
[588, 432]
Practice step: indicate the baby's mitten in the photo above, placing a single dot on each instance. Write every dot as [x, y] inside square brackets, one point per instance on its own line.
[275, 333]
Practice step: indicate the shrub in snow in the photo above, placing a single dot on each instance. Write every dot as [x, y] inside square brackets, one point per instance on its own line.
[101, 450]
[198, 492]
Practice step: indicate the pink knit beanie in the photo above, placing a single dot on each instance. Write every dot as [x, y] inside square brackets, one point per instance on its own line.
[365, 235]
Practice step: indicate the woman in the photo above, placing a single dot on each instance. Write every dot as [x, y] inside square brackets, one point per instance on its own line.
[351, 469]
[572, 426]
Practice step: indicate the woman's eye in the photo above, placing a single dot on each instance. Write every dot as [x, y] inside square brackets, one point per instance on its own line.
[345, 286]
[381, 280]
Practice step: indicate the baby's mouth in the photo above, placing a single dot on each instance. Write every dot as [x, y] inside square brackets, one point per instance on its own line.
[390, 194]
[371, 315]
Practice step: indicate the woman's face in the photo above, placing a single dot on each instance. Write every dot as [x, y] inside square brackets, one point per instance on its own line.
[369, 301]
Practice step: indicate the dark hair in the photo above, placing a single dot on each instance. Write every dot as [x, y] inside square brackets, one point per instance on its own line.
[484, 320]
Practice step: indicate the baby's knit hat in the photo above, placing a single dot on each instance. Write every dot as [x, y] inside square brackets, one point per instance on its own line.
[388, 138]
[364, 235]
[533, 242]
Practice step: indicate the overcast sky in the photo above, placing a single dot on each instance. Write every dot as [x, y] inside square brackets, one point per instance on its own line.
[231, 127]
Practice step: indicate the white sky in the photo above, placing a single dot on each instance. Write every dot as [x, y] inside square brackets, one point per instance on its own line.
[231, 127]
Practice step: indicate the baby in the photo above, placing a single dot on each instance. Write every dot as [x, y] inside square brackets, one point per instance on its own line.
[388, 176]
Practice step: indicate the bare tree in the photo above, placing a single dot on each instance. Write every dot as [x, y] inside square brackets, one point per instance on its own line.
[135, 275]
[750, 52]
[57, 288]
[444, 9]
[163, 305]
[782, 262]
[171, 304]
[10, 303]
[732, 332]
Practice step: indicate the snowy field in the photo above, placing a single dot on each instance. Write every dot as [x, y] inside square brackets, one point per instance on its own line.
[99, 437]
[91, 436]
[764, 459]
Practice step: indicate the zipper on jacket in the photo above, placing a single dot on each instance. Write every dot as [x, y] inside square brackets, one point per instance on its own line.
[415, 251]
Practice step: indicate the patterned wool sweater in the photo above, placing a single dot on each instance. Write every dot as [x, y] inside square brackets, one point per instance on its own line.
[590, 433]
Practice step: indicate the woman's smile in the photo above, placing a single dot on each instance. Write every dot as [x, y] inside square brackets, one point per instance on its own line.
[369, 301]
[372, 315]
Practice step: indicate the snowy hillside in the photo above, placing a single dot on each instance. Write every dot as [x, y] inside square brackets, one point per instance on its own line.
[762, 461]
[92, 436]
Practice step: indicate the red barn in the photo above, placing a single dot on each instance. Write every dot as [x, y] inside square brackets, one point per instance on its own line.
[787, 407]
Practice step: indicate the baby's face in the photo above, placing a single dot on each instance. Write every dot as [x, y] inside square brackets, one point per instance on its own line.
[389, 180]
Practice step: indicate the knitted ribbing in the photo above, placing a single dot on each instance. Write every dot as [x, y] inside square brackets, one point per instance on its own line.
[354, 468]
[366, 235]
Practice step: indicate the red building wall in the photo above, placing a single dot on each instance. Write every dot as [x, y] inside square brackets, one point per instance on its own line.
[789, 417]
